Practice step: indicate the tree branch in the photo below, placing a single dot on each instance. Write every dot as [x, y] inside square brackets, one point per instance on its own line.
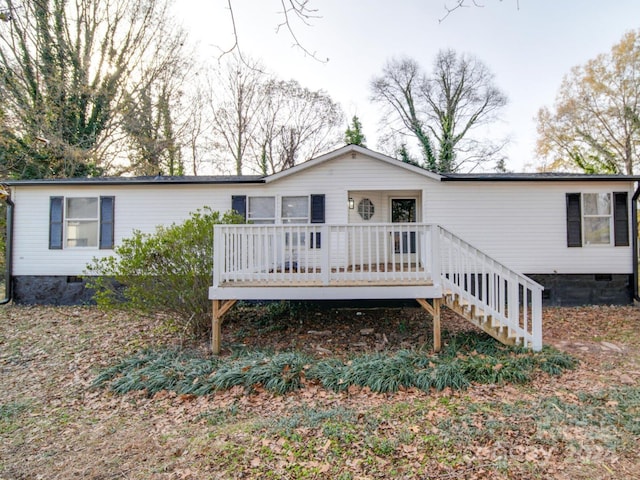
[458, 4]
[301, 10]
[291, 9]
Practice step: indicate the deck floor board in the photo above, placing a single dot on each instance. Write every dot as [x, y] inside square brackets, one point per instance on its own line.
[387, 275]
[332, 283]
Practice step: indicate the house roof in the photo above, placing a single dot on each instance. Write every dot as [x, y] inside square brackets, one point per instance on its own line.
[347, 149]
[144, 180]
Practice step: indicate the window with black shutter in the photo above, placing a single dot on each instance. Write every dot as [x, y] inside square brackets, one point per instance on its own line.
[621, 219]
[317, 208]
[317, 216]
[239, 204]
[79, 222]
[591, 217]
[574, 220]
[106, 222]
[56, 218]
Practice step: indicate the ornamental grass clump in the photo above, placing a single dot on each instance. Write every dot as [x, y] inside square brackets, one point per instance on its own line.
[463, 362]
[331, 373]
[156, 370]
[281, 373]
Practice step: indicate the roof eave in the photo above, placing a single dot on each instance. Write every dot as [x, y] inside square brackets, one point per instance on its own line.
[133, 181]
[588, 178]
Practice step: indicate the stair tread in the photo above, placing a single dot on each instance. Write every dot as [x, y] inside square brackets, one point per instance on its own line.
[477, 315]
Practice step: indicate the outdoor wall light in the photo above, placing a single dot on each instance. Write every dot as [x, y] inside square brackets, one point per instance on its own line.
[351, 204]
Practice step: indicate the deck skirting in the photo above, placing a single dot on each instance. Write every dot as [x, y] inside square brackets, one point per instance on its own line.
[351, 291]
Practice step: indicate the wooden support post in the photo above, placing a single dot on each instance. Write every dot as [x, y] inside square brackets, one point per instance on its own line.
[220, 307]
[434, 310]
[437, 342]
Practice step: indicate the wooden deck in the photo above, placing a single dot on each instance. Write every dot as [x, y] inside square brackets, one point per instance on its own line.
[374, 261]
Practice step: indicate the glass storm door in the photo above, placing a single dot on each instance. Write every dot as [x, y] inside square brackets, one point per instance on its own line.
[404, 210]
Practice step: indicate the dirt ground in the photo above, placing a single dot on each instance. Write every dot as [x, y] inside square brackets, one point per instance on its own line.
[53, 425]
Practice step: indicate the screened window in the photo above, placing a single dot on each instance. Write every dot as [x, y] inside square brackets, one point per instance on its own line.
[82, 222]
[295, 209]
[597, 218]
[261, 210]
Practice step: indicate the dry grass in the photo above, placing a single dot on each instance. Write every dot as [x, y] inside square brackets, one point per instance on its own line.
[54, 426]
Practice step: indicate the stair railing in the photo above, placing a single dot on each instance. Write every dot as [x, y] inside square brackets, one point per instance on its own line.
[510, 302]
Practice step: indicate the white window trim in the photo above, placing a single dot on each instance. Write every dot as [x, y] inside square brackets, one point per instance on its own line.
[585, 216]
[278, 219]
[262, 220]
[67, 219]
[295, 220]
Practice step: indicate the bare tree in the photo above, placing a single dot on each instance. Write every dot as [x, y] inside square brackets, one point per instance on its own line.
[237, 98]
[154, 116]
[441, 110]
[295, 124]
[293, 14]
[265, 124]
[197, 134]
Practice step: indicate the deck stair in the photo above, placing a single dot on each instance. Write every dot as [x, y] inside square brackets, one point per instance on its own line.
[480, 319]
[505, 304]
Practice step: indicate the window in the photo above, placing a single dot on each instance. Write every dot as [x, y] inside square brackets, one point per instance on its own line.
[261, 210]
[295, 209]
[597, 219]
[366, 208]
[81, 222]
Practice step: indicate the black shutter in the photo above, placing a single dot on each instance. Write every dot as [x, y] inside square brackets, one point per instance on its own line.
[574, 220]
[317, 208]
[620, 219]
[106, 222]
[317, 216]
[239, 204]
[56, 216]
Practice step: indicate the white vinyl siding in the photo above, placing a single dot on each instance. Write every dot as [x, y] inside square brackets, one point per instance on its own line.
[522, 224]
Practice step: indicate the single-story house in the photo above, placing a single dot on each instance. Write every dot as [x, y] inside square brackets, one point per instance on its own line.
[351, 224]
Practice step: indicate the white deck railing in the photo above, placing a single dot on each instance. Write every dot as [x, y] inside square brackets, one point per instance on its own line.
[373, 255]
[498, 294]
[325, 254]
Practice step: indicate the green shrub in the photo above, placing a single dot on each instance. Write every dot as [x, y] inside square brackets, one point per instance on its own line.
[168, 271]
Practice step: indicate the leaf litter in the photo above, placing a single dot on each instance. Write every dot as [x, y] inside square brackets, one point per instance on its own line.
[53, 425]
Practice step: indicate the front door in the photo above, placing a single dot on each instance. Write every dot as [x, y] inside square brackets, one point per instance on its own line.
[404, 210]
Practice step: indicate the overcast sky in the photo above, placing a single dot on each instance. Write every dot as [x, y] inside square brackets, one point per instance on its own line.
[529, 45]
